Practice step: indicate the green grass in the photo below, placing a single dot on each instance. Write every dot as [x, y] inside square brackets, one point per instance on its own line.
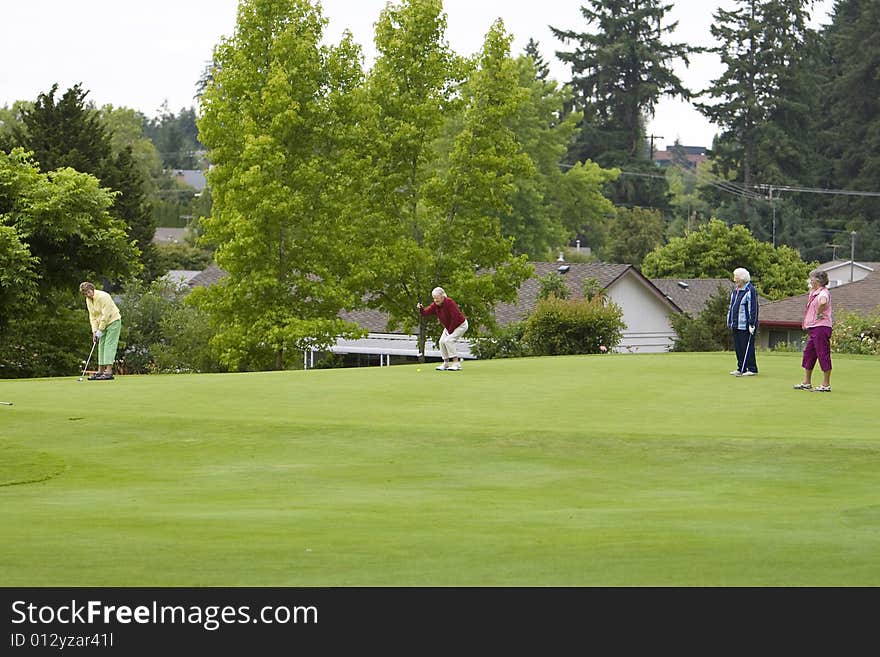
[618, 470]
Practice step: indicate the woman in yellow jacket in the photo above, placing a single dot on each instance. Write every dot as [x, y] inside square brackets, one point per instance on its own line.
[106, 324]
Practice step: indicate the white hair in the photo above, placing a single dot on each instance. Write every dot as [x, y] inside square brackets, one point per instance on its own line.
[438, 291]
[742, 274]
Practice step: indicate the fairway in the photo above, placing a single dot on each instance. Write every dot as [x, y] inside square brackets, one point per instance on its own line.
[615, 470]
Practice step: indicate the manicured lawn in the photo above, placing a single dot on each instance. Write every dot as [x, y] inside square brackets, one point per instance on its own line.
[618, 470]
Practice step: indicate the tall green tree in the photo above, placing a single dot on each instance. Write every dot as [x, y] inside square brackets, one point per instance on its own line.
[849, 134]
[550, 204]
[533, 51]
[176, 137]
[67, 132]
[715, 250]
[55, 231]
[619, 72]
[764, 102]
[279, 115]
[435, 212]
[632, 234]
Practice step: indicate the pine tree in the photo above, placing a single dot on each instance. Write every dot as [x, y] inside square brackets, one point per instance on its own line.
[850, 133]
[69, 133]
[619, 73]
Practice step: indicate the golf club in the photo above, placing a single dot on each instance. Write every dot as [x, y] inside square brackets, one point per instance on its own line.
[94, 342]
[6, 403]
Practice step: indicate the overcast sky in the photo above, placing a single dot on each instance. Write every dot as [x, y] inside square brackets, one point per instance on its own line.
[140, 54]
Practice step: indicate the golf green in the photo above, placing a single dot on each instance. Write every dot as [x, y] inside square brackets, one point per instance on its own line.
[613, 470]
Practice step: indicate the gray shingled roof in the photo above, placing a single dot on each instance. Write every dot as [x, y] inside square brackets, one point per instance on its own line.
[505, 313]
[208, 277]
[694, 295]
[860, 297]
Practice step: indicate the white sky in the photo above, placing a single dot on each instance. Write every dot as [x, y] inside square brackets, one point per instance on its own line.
[139, 54]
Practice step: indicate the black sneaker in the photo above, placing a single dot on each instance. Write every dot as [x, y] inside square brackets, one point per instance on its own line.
[97, 376]
[106, 376]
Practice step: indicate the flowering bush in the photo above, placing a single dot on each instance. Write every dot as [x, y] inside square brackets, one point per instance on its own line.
[856, 334]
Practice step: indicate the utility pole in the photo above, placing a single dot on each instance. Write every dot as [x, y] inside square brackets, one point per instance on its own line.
[773, 212]
[651, 139]
[852, 255]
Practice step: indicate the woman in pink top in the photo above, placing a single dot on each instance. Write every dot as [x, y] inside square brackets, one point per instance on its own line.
[817, 323]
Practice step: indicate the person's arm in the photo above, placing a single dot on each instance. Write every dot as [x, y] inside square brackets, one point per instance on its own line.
[753, 310]
[93, 314]
[429, 310]
[823, 303]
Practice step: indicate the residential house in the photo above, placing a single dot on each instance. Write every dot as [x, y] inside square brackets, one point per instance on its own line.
[689, 156]
[647, 307]
[646, 311]
[841, 272]
[692, 294]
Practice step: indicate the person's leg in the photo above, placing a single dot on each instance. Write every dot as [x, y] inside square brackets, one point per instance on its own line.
[740, 340]
[808, 361]
[823, 352]
[108, 345]
[452, 343]
[444, 350]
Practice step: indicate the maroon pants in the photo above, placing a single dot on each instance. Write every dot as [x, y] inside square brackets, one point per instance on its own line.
[818, 347]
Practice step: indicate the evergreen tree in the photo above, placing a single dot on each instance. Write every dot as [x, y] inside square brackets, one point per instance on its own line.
[542, 70]
[765, 103]
[176, 137]
[619, 73]
[850, 133]
[68, 133]
[550, 205]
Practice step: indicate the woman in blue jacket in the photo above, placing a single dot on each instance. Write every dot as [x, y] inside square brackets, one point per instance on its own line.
[742, 318]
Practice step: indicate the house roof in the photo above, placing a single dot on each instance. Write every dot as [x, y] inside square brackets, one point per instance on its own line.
[208, 277]
[607, 274]
[861, 297]
[834, 264]
[691, 294]
[182, 276]
[192, 177]
[166, 235]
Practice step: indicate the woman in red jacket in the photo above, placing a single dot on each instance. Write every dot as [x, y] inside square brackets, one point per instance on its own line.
[454, 326]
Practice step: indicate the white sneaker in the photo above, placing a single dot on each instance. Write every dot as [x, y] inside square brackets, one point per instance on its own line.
[455, 368]
[736, 373]
[749, 373]
[441, 368]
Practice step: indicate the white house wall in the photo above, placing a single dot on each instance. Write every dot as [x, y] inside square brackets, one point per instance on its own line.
[648, 329]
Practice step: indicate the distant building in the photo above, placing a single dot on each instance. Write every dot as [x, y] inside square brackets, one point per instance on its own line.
[687, 156]
[165, 235]
[192, 178]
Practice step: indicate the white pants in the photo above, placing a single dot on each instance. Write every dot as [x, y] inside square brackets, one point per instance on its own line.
[448, 341]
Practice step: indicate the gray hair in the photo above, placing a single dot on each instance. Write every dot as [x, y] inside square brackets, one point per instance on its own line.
[821, 276]
[742, 274]
[438, 291]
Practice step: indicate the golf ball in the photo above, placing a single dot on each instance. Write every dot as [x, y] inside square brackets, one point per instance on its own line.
[418, 369]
